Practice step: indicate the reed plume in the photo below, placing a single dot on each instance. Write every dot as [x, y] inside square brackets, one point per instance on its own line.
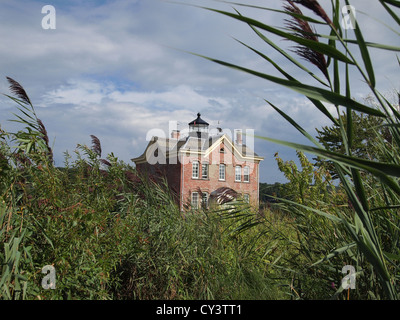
[96, 146]
[18, 90]
[302, 28]
[105, 162]
[34, 122]
[45, 137]
[316, 8]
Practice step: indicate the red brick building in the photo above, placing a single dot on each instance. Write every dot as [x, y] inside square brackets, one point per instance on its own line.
[198, 165]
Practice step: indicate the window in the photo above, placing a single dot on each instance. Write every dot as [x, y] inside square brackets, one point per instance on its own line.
[195, 200]
[204, 170]
[195, 170]
[238, 173]
[246, 174]
[221, 172]
[204, 200]
[246, 198]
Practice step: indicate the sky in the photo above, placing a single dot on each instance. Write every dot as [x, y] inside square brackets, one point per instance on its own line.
[123, 68]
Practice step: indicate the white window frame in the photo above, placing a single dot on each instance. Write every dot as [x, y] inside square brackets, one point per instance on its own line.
[195, 169]
[238, 173]
[223, 167]
[204, 165]
[205, 196]
[195, 200]
[246, 175]
[246, 198]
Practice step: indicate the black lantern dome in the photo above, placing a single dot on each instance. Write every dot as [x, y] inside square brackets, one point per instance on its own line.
[198, 127]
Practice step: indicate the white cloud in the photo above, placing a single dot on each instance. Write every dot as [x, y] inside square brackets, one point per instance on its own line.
[110, 69]
[181, 96]
[77, 92]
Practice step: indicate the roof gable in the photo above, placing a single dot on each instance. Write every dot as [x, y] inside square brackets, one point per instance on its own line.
[193, 146]
[240, 151]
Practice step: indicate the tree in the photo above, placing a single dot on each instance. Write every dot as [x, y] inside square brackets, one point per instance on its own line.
[364, 134]
[307, 185]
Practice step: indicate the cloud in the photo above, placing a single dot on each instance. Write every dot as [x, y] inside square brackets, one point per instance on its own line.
[179, 97]
[124, 119]
[77, 92]
[118, 69]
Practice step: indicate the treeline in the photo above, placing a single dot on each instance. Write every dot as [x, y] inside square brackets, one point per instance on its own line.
[269, 192]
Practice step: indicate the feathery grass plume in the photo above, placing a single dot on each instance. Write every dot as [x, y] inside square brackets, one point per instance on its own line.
[43, 131]
[96, 146]
[316, 8]
[45, 137]
[31, 118]
[302, 28]
[105, 162]
[18, 90]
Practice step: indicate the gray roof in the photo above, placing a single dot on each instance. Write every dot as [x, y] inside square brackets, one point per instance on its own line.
[191, 143]
[200, 144]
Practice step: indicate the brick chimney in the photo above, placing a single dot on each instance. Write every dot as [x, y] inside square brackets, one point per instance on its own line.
[175, 134]
[238, 134]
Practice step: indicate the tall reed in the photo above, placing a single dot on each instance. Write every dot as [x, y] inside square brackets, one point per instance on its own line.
[370, 224]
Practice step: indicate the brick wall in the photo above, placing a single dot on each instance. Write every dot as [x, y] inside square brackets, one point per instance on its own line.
[181, 182]
[213, 182]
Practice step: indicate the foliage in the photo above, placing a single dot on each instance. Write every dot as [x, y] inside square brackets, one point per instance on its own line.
[309, 198]
[112, 234]
[108, 232]
[365, 130]
[268, 192]
[306, 185]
